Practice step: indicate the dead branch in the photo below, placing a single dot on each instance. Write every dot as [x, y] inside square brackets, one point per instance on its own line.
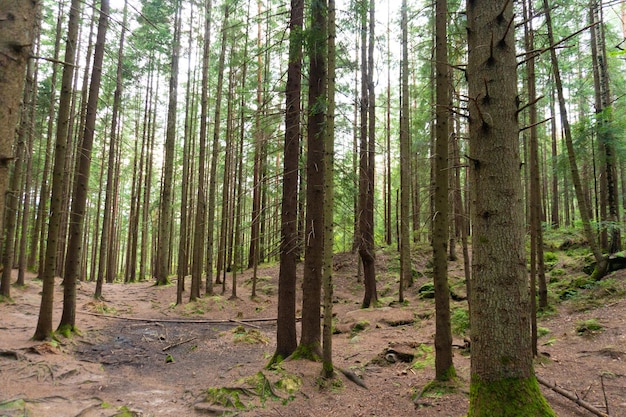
[173, 345]
[183, 321]
[571, 397]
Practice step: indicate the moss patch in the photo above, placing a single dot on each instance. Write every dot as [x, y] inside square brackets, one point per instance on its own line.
[509, 397]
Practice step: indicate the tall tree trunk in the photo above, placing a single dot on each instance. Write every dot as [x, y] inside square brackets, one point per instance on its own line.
[197, 264]
[406, 275]
[108, 220]
[165, 207]
[601, 262]
[367, 157]
[315, 171]
[148, 144]
[255, 227]
[9, 210]
[502, 376]
[186, 210]
[44, 324]
[604, 119]
[29, 127]
[38, 242]
[444, 367]
[536, 235]
[286, 342]
[215, 155]
[329, 200]
[81, 181]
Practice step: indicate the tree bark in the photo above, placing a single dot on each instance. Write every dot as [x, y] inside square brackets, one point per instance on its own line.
[444, 367]
[286, 341]
[44, 323]
[165, 207]
[81, 180]
[310, 340]
[405, 163]
[367, 158]
[214, 157]
[502, 376]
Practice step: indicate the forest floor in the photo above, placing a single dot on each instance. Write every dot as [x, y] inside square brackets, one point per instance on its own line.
[205, 357]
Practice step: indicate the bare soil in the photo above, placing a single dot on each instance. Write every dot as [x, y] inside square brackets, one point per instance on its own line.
[121, 364]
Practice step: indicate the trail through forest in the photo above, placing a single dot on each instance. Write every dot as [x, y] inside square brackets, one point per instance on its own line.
[164, 365]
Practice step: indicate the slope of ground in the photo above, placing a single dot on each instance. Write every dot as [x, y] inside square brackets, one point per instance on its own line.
[164, 365]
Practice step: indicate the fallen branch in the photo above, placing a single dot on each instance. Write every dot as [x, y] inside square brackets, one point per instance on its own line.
[183, 321]
[572, 397]
[173, 345]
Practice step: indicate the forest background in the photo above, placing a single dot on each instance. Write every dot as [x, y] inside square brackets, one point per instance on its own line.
[184, 134]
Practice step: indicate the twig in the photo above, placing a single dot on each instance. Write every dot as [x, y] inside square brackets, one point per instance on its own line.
[606, 402]
[243, 323]
[572, 397]
[173, 345]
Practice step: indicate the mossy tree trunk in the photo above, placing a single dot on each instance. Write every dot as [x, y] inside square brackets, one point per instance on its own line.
[502, 376]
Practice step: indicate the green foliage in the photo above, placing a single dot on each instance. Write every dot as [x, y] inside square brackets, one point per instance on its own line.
[424, 357]
[550, 258]
[460, 321]
[542, 331]
[589, 327]
[427, 290]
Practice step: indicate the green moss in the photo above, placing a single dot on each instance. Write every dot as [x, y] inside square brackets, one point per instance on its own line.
[309, 352]
[509, 397]
[589, 327]
[438, 388]
[360, 326]
[67, 330]
[251, 336]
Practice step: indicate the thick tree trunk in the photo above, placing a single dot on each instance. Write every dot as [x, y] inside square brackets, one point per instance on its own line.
[286, 342]
[81, 180]
[367, 158]
[316, 171]
[502, 377]
[44, 324]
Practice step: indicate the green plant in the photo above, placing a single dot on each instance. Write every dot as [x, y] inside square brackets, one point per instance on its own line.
[423, 357]
[589, 327]
[542, 331]
[460, 321]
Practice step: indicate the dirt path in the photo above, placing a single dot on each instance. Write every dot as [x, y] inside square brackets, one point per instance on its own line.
[163, 368]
